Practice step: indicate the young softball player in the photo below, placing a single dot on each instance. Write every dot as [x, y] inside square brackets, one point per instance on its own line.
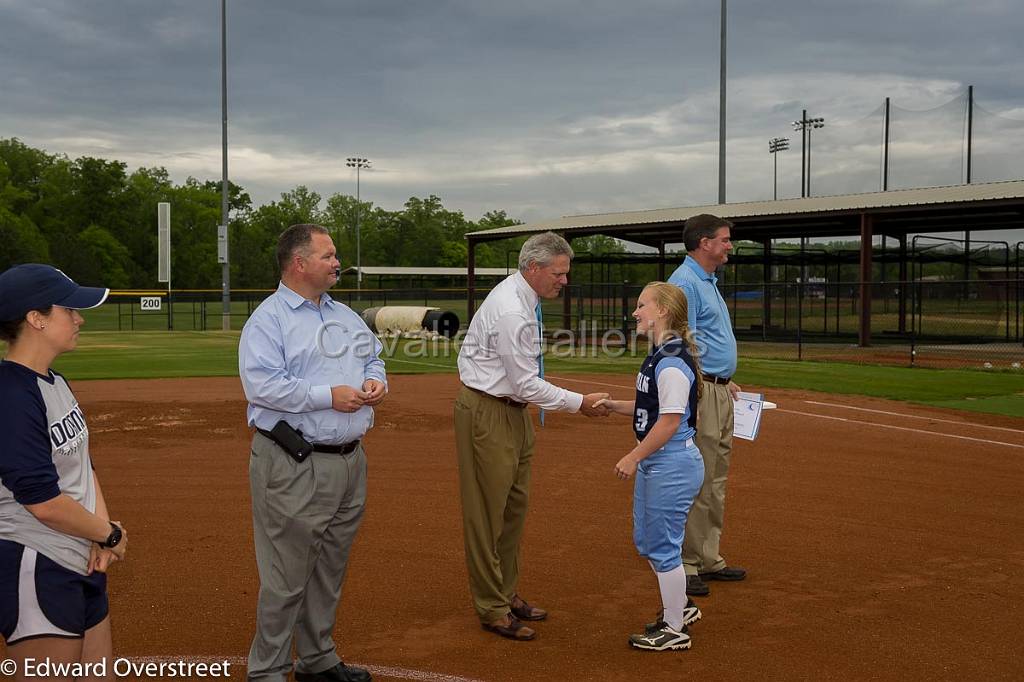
[56, 537]
[668, 467]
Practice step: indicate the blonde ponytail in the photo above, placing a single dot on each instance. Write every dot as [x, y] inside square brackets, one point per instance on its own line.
[673, 300]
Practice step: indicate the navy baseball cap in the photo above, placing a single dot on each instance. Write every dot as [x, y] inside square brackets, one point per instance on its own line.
[33, 286]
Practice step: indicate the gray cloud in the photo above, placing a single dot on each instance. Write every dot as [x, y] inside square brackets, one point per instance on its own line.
[539, 108]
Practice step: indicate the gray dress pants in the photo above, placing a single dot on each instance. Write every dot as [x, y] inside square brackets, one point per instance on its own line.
[305, 517]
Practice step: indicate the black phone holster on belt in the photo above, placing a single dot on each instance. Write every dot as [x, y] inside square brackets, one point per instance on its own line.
[290, 440]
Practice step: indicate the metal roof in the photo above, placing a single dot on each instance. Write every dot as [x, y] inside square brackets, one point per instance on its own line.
[427, 272]
[994, 205]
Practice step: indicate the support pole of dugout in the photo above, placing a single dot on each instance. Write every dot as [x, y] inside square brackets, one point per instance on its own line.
[865, 279]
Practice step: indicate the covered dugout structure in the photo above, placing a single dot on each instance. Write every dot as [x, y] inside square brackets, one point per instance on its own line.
[895, 214]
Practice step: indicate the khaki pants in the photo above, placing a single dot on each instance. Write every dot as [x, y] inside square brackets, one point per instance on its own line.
[494, 442]
[714, 440]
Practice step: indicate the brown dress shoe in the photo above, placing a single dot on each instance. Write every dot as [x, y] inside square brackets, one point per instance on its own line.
[523, 611]
[510, 627]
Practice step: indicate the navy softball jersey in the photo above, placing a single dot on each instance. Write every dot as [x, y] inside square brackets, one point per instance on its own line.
[671, 393]
[44, 452]
[667, 480]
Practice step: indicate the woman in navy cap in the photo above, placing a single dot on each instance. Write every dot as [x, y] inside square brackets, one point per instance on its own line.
[56, 537]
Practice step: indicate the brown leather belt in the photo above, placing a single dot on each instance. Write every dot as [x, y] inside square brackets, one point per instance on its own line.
[508, 401]
[343, 449]
[715, 380]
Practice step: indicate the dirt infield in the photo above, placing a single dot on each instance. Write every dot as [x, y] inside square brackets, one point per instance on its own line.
[883, 542]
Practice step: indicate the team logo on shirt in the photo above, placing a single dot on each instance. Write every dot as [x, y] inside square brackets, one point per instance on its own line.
[68, 433]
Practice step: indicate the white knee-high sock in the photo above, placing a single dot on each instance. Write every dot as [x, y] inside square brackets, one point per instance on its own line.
[673, 595]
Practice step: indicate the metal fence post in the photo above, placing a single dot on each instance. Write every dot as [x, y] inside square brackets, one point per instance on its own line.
[916, 319]
[800, 319]
[625, 309]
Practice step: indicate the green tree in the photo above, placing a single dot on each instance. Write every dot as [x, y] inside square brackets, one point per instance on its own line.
[20, 239]
[195, 214]
[104, 258]
[340, 215]
[25, 167]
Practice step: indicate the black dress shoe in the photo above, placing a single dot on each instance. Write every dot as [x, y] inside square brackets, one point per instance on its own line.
[339, 673]
[730, 573]
[695, 587]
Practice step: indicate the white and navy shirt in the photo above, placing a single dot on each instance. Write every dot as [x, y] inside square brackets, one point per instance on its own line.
[500, 354]
[665, 385]
[44, 452]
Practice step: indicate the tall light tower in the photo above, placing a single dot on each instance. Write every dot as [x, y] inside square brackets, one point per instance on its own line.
[776, 145]
[222, 229]
[805, 125]
[721, 105]
[358, 163]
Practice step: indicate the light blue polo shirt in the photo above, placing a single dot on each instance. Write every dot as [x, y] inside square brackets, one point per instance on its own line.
[708, 318]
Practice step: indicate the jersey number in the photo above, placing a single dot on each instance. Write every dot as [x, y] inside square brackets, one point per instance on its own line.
[641, 420]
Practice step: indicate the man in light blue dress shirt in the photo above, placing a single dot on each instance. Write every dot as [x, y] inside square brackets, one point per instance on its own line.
[311, 362]
[707, 239]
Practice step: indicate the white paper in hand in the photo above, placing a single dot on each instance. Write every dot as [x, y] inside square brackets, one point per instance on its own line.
[747, 415]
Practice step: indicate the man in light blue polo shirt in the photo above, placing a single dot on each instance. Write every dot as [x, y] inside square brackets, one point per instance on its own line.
[707, 239]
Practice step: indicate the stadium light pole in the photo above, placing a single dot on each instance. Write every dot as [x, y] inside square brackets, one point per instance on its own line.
[776, 145]
[358, 163]
[222, 236]
[805, 125]
[721, 109]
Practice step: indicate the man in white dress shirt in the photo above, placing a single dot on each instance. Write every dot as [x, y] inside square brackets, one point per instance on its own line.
[499, 367]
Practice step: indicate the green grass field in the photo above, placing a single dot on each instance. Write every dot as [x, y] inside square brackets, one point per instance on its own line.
[112, 355]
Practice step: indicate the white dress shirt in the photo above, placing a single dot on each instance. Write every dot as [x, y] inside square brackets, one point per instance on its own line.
[499, 355]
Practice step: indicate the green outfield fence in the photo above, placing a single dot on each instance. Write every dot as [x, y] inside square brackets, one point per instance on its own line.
[949, 323]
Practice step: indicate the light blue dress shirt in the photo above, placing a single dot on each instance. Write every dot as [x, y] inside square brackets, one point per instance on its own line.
[290, 355]
[708, 318]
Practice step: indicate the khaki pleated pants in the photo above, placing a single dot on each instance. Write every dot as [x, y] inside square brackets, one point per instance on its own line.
[494, 442]
[714, 440]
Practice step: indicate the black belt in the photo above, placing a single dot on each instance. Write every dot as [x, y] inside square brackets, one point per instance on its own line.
[508, 401]
[343, 449]
[715, 380]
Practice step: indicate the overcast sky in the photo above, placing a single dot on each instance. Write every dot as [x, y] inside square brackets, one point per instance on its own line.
[542, 108]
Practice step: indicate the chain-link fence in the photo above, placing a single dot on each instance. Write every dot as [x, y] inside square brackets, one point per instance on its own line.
[948, 323]
[969, 324]
[202, 310]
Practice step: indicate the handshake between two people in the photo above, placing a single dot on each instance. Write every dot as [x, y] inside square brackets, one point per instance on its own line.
[351, 399]
[594, 405]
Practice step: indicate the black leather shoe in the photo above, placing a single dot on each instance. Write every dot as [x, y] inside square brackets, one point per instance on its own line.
[339, 673]
[695, 587]
[730, 573]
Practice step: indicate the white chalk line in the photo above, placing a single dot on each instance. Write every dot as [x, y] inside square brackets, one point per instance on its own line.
[915, 416]
[592, 383]
[905, 428]
[423, 364]
[382, 670]
[854, 421]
